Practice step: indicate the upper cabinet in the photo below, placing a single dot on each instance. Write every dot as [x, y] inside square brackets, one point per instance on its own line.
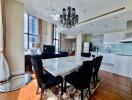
[113, 38]
[129, 28]
[97, 39]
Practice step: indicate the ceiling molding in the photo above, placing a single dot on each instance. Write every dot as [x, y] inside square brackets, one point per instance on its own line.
[102, 15]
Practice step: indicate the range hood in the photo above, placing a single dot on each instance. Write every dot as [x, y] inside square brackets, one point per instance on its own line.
[128, 40]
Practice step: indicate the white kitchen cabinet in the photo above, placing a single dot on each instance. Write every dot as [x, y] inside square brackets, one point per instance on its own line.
[117, 64]
[108, 58]
[113, 38]
[122, 65]
[107, 62]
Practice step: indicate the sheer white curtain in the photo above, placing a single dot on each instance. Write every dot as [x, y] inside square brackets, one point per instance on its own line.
[4, 68]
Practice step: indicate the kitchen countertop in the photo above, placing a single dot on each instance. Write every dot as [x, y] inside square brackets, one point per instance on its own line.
[112, 53]
[124, 54]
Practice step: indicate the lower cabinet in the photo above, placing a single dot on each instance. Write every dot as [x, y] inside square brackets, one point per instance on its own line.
[123, 65]
[117, 64]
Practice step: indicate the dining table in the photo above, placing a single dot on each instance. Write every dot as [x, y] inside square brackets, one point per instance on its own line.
[63, 65]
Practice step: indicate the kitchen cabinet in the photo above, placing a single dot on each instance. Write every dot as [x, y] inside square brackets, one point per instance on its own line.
[113, 38]
[108, 58]
[107, 61]
[116, 63]
[122, 65]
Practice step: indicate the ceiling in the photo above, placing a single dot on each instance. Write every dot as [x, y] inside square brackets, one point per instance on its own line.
[86, 9]
[106, 24]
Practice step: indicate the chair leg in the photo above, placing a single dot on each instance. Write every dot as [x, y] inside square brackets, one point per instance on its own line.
[97, 79]
[62, 88]
[65, 86]
[89, 91]
[94, 81]
[81, 94]
[42, 91]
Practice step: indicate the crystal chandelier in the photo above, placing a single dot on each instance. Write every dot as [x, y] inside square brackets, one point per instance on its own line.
[69, 18]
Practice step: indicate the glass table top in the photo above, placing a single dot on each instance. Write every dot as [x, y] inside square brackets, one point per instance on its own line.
[15, 83]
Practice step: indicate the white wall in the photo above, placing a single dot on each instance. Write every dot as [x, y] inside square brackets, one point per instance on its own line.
[79, 45]
[14, 48]
[128, 4]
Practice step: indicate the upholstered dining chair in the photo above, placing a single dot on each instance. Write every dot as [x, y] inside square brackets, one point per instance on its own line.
[35, 57]
[28, 59]
[97, 63]
[45, 80]
[81, 79]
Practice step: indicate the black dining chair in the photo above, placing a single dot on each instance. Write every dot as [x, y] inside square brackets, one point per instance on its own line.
[81, 79]
[97, 63]
[37, 57]
[45, 80]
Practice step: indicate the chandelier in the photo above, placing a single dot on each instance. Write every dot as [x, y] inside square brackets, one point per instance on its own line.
[69, 18]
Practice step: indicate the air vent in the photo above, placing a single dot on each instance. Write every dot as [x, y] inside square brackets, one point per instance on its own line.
[102, 15]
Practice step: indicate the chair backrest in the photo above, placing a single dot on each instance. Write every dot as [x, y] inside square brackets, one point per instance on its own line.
[86, 73]
[100, 59]
[97, 63]
[35, 57]
[38, 68]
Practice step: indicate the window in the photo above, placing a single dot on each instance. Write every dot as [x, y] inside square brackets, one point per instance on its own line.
[56, 39]
[30, 31]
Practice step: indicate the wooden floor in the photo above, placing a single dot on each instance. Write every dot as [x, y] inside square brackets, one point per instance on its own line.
[113, 87]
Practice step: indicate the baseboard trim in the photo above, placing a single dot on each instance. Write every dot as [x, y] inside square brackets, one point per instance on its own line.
[17, 72]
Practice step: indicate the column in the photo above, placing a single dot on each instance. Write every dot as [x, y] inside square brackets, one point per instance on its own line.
[14, 48]
[78, 45]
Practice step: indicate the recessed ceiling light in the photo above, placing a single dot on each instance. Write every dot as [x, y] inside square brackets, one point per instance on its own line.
[85, 10]
[92, 24]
